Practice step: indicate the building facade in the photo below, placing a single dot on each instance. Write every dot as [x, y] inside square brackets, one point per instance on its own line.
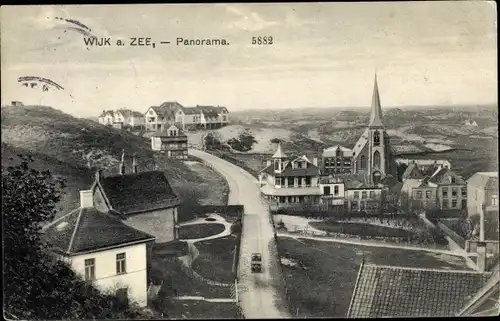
[482, 188]
[332, 190]
[172, 141]
[186, 118]
[122, 118]
[290, 180]
[364, 199]
[337, 160]
[107, 117]
[102, 250]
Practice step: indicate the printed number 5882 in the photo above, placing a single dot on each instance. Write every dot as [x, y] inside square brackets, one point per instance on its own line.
[262, 40]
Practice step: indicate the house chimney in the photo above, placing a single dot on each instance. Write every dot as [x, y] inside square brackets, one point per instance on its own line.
[481, 256]
[134, 164]
[122, 163]
[315, 161]
[86, 199]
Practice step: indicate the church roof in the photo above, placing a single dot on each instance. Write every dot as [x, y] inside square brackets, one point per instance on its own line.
[376, 113]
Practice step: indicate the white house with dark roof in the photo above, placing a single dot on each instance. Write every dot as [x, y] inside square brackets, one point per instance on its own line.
[290, 180]
[107, 117]
[102, 249]
[128, 117]
[144, 200]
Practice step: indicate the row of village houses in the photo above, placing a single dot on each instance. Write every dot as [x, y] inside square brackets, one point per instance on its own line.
[290, 180]
[155, 118]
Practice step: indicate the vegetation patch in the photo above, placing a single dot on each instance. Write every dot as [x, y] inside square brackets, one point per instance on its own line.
[199, 309]
[399, 228]
[320, 276]
[216, 258]
[176, 281]
[198, 231]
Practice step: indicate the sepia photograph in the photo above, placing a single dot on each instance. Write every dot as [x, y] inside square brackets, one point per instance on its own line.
[250, 160]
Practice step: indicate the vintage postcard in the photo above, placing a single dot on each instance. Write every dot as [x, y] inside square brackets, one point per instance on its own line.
[266, 160]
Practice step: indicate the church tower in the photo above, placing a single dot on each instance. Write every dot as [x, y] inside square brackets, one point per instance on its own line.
[378, 141]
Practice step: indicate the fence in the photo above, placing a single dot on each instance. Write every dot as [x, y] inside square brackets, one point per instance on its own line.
[293, 309]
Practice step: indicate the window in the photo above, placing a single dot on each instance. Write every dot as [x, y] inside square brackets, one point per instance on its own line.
[464, 191]
[428, 195]
[347, 162]
[326, 190]
[89, 269]
[224, 118]
[362, 206]
[376, 159]
[299, 164]
[356, 194]
[308, 181]
[454, 191]
[338, 153]
[277, 181]
[121, 266]
[464, 203]
[453, 180]
[339, 162]
[445, 203]
[363, 162]
[151, 112]
[354, 205]
[336, 190]
[376, 139]
[444, 190]
[494, 199]
[372, 194]
[276, 165]
[364, 194]
[151, 119]
[453, 203]
[419, 195]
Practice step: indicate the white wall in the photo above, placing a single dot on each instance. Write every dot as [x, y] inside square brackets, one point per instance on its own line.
[105, 270]
[157, 223]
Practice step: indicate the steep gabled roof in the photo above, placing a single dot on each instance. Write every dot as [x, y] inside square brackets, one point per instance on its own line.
[484, 180]
[138, 192]
[486, 301]
[413, 172]
[309, 170]
[86, 230]
[360, 144]
[388, 291]
[440, 177]
[279, 152]
[376, 109]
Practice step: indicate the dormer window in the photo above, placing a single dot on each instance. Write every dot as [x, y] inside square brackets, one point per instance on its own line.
[339, 153]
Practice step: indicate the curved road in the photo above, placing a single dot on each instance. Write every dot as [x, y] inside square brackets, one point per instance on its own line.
[260, 294]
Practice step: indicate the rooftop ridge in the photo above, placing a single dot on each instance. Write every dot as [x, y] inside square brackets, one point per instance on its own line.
[74, 231]
[59, 219]
[424, 269]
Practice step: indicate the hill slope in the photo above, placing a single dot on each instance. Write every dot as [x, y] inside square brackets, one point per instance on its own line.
[75, 148]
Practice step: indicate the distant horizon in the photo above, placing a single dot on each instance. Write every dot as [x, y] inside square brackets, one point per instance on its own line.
[323, 54]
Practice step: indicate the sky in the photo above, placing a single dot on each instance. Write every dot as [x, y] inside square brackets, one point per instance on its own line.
[323, 55]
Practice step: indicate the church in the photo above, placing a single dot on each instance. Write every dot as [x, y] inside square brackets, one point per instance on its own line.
[371, 158]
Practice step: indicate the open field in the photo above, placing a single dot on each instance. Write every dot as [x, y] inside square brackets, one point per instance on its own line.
[199, 309]
[321, 275]
[176, 282]
[215, 185]
[215, 260]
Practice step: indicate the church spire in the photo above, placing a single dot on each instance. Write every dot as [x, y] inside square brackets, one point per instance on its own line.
[376, 113]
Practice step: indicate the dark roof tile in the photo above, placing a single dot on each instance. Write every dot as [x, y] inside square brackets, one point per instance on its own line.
[87, 229]
[138, 192]
[384, 291]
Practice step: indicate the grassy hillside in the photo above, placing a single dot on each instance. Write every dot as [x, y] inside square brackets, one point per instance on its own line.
[75, 148]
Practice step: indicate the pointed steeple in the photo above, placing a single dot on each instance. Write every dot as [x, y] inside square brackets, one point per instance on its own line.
[376, 112]
[279, 152]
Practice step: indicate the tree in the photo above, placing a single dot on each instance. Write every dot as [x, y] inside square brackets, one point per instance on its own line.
[244, 142]
[213, 140]
[38, 286]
